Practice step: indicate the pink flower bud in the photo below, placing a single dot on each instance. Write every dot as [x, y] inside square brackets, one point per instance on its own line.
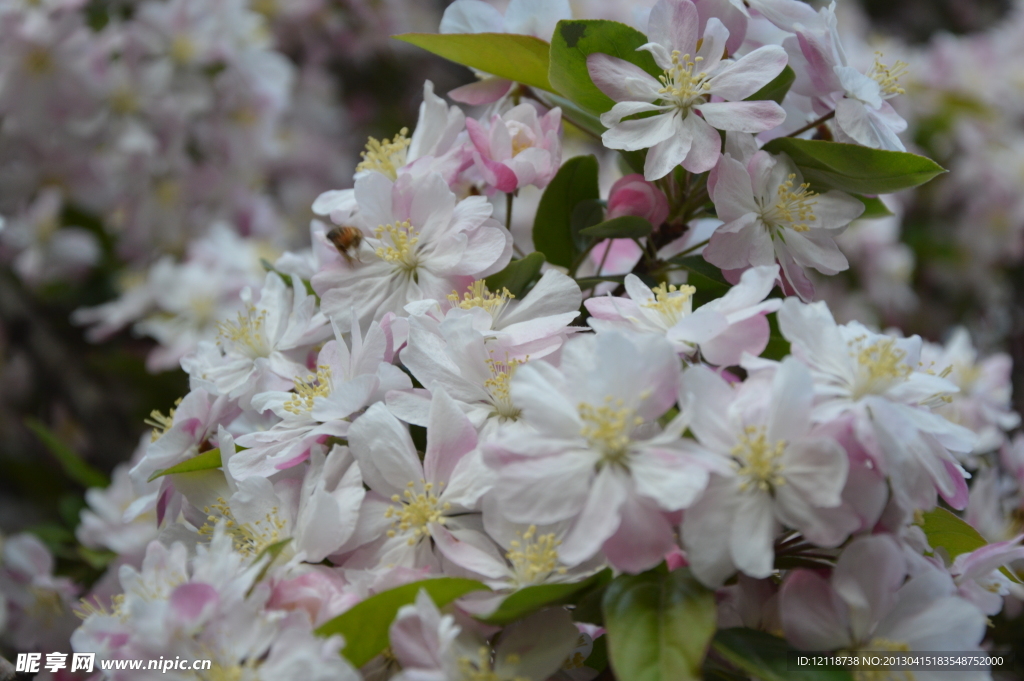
[632, 195]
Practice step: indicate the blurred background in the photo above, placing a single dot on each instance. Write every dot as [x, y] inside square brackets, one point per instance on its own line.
[153, 154]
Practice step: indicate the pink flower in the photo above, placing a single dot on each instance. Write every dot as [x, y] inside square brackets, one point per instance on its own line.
[518, 148]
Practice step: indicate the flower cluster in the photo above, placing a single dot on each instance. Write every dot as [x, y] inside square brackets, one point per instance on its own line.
[426, 418]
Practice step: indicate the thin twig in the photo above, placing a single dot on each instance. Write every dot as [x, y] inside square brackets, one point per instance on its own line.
[827, 117]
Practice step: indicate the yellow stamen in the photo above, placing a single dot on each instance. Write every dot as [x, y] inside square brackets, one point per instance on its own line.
[386, 156]
[480, 296]
[794, 205]
[308, 389]
[533, 557]
[608, 428]
[672, 302]
[414, 511]
[888, 77]
[402, 250]
[160, 423]
[247, 332]
[249, 539]
[759, 460]
[499, 385]
[682, 83]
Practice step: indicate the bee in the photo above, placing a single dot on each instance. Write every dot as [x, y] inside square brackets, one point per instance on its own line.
[346, 239]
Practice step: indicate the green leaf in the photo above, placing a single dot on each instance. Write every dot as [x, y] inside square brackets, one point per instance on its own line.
[74, 466]
[590, 282]
[778, 346]
[517, 275]
[526, 601]
[96, 559]
[273, 550]
[552, 234]
[765, 657]
[521, 58]
[659, 625]
[948, 531]
[574, 114]
[873, 208]
[856, 169]
[623, 227]
[206, 461]
[586, 214]
[365, 625]
[707, 278]
[775, 90]
[573, 41]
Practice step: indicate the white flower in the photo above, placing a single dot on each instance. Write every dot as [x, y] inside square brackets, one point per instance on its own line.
[722, 329]
[783, 473]
[877, 378]
[410, 500]
[683, 131]
[770, 214]
[264, 347]
[867, 605]
[984, 401]
[597, 455]
[419, 243]
[346, 381]
[315, 506]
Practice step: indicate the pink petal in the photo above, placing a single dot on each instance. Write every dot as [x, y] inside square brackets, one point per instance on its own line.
[621, 80]
[746, 76]
[743, 116]
[674, 24]
[706, 147]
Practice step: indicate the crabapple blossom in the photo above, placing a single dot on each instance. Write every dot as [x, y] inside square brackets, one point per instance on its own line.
[517, 148]
[878, 379]
[783, 473]
[723, 329]
[410, 501]
[596, 455]
[771, 215]
[863, 114]
[349, 376]
[683, 129]
[983, 403]
[419, 242]
[264, 347]
[869, 603]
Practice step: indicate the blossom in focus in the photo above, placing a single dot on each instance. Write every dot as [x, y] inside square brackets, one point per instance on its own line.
[783, 473]
[517, 148]
[596, 454]
[771, 215]
[348, 377]
[264, 347]
[683, 130]
[419, 243]
[878, 380]
[410, 500]
[722, 329]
